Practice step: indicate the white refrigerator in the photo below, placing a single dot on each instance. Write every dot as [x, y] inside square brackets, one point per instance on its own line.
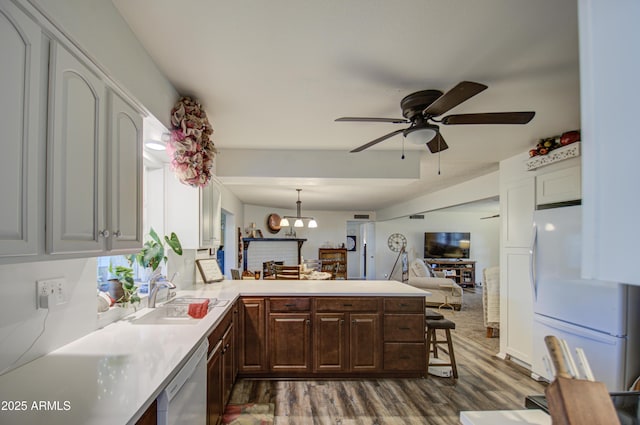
[600, 317]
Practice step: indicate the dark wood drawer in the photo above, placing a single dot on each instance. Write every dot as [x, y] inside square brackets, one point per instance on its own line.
[346, 304]
[289, 304]
[404, 305]
[404, 327]
[404, 356]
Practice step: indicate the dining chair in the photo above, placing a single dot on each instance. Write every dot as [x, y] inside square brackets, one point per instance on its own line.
[287, 272]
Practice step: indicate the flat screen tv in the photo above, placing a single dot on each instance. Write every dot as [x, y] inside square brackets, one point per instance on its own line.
[447, 244]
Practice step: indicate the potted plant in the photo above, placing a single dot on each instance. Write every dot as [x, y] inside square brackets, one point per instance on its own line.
[153, 252]
[123, 288]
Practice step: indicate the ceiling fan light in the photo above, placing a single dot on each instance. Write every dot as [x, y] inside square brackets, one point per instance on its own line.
[284, 222]
[298, 223]
[313, 224]
[420, 136]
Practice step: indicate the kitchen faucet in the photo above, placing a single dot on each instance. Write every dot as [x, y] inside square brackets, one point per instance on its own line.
[154, 286]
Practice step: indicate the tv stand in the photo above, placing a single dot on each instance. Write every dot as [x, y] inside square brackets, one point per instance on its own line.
[463, 272]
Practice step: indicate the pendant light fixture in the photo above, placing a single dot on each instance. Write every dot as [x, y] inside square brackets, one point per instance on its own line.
[299, 219]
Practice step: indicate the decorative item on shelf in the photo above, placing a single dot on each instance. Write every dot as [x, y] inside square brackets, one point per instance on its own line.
[551, 143]
[299, 219]
[273, 223]
[190, 147]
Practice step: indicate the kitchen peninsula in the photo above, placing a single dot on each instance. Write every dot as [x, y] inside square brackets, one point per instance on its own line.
[114, 374]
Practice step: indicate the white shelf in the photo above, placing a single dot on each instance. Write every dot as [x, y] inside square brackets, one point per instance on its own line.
[560, 154]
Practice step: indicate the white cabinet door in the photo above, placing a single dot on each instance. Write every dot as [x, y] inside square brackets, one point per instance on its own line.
[517, 203]
[22, 208]
[76, 171]
[559, 186]
[125, 175]
[516, 305]
[210, 215]
[609, 71]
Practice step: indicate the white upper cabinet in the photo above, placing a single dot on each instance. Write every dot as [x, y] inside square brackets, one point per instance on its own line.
[21, 208]
[559, 186]
[76, 190]
[125, 175]
[94, 162]
[609, 69]
[192, 213]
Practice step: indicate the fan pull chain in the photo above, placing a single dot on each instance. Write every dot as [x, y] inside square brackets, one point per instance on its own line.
[439, 152]
[402, 157]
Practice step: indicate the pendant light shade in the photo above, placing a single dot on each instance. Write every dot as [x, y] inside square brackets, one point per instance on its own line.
[299, 219]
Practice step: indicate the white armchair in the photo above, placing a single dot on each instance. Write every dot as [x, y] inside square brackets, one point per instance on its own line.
[443, 290]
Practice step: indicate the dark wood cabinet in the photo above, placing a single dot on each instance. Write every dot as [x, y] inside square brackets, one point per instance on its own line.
[252, 353]
[364, 342]
[150, 416]
[329, 342]
[221, 366]
[404, 335]
[215, 403]
[289, 334]
[347, 335]
[328, 337]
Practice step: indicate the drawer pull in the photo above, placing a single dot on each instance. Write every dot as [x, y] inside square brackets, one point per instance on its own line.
[347, 305]
[405, 357]
[405, 329]
[289, 305]
[404, 305]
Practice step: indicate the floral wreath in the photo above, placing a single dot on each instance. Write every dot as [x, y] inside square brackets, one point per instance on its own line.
[190, 147]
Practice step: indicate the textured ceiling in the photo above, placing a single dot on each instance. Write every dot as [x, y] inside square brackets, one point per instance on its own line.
[275, 75]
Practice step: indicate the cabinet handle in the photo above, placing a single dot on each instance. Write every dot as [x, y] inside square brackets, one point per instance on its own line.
[308, 322]
[353, 321]
[341, 322]
[117, 234]
[104, 233]
[404, 305]
[404, 329]
[347, 305]
[289, 305]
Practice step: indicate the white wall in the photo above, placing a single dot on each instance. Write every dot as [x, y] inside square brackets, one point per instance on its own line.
[21, 323]
[485, 238]
[331, 231]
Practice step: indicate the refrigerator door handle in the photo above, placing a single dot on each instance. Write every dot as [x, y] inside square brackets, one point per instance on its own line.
[532, 262]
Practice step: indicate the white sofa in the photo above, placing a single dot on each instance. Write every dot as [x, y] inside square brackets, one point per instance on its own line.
[443, 290]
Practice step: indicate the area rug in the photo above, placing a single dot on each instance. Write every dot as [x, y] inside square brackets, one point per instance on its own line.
[249, 414]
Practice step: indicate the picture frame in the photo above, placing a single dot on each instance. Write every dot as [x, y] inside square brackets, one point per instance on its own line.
[209, 270]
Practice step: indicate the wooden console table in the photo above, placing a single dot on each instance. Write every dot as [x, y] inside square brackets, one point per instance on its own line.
[463, 272]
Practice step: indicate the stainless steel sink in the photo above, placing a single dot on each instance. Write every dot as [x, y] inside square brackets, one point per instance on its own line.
[174, 312]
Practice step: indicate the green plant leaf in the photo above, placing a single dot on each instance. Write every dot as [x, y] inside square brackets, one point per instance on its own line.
[154, 236]
[174, 243]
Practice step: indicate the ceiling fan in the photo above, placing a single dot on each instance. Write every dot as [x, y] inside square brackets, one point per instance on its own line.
[420, 109]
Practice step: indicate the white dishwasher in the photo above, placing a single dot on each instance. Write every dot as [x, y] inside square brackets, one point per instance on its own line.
[184, 400]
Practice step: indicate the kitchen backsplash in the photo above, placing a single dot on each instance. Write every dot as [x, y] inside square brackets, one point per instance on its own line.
[27, 333]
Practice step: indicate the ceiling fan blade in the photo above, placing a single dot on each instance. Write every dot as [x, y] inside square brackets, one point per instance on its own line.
[365, 119]
[437, 144]
[490, 118]
[463, 91]
[376, 141]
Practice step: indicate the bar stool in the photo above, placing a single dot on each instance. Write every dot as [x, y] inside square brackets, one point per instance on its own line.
[432, 343]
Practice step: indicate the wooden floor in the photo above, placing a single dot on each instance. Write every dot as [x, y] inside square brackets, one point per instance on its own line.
[485, 383]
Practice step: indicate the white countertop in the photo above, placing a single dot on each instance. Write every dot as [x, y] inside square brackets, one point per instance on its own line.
[505, 417]
[111, 375]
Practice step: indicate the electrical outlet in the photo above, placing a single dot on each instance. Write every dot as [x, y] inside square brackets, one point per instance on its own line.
[51, 293]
